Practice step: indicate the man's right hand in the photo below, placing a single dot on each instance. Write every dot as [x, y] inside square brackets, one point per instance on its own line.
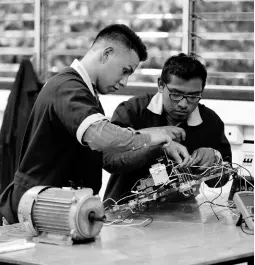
[179, 153]
[176, 133]
[158, 136]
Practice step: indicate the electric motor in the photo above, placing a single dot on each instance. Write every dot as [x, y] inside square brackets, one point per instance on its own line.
[60, 215]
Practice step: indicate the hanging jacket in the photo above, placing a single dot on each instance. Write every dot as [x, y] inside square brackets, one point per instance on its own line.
[24, 92]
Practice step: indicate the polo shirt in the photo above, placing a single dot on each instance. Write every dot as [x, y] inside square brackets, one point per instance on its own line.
[203, 128]
[52, 152]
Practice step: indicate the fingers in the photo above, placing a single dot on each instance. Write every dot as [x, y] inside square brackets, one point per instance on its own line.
[179, 153]
[157, 136]
[178, 134]
[205, 164]
[207, 158]
[196, 157]
[186, 157]
[168, 139]
[183, 134]
[177, 157]
[186, 162]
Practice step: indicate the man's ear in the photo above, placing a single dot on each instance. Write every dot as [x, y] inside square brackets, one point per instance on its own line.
[160, 85]
[107, 53]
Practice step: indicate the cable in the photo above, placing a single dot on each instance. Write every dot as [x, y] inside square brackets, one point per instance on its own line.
[117, 222]
[245, 231]
[132, 224]
[109, 199]
[212, 203]
[136, 183]
[113, 222]
[246, 181]
[202, 190]
[126, 197]
[180, 179]
[244, 169]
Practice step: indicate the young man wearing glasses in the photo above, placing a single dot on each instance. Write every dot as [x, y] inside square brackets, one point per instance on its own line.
[177, 106]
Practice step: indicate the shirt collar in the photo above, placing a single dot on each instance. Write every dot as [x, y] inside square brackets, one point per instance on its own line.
[78, 67]
[156, 106]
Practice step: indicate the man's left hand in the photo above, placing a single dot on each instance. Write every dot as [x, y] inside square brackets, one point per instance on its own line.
[179, 153]
[203, 157]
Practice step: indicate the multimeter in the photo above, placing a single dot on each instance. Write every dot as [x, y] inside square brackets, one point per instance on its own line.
[244, 201]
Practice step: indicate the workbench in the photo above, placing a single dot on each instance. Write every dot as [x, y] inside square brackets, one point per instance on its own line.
[180, 234]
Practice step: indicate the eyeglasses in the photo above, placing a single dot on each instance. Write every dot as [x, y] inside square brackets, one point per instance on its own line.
[179, 96]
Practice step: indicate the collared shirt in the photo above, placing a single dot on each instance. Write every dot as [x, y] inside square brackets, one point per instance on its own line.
[127, 170]
[98, 133]
[156, 106]
[78, 67]
[194, 119]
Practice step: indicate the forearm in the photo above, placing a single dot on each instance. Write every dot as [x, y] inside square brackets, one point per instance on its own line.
[107, 137]
[131, 160]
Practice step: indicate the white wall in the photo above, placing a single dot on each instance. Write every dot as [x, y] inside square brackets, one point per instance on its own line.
[238, 117]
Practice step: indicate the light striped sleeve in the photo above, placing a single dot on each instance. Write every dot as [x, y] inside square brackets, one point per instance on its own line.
[105, 136]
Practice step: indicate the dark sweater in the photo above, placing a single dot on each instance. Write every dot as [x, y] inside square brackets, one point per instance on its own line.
[134, 113]
[51, 154]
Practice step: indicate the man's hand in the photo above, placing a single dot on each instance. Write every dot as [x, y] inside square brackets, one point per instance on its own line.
[157, 135]
[176, 133]
[179, 153]
[203, 157]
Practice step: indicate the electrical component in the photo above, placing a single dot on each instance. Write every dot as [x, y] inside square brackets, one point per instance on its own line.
[245, 183]
[158, 173]
[244, 201]
[61, 215]
[248, 158]
[165, 178]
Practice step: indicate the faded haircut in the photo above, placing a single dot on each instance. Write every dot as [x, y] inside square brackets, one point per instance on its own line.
[124, 35]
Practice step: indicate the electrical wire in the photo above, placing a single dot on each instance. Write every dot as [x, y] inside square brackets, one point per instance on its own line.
[183, 177]
[212, 202]
[136, 183]
[243, 168]
[132, 195]
[243, 222]
[117, 222]
[109, 199]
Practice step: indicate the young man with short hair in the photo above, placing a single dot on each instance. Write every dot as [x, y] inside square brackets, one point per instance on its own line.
[67, 130]
[176, 105]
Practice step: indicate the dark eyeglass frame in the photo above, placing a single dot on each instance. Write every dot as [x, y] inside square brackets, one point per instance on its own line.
[190, 98]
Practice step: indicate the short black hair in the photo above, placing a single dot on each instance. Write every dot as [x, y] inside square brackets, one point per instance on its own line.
[124, 35]
[184, 66]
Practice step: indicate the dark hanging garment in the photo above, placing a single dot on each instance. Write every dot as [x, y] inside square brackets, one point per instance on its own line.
[23, 94]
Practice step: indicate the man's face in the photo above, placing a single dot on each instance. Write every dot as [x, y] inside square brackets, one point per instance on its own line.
[179, 110]
[118, 65]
